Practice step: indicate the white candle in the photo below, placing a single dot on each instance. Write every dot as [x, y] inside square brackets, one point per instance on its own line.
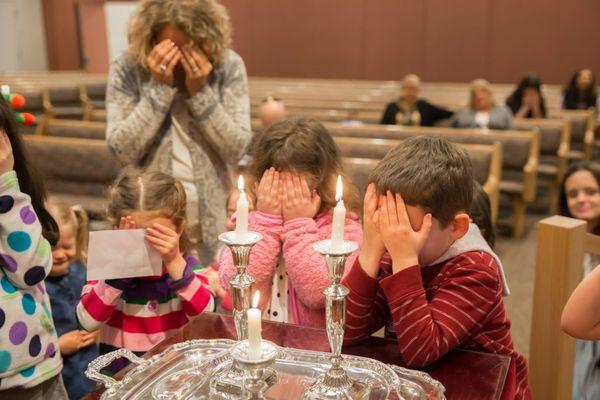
[254, 329]
[339, 217]
[241, 225]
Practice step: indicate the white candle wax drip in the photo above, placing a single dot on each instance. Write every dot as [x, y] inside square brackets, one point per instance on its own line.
[241, 225]
[339, 217]
[254, 329]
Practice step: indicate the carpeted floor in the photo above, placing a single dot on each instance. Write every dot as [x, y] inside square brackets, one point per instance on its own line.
[518, 259]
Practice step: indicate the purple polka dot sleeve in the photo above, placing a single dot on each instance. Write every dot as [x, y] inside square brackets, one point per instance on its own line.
[25, 256]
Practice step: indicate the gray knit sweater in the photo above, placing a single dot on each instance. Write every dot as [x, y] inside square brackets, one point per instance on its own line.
[139, 132]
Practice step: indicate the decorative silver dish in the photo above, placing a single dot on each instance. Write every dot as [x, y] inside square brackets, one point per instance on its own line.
[184, 371]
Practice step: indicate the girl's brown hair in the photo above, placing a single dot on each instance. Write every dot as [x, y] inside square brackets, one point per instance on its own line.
[75, 217]
[206, 22]
[303, 145]
[149, 191]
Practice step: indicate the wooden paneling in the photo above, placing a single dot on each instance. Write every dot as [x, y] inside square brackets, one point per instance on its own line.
[440, 40]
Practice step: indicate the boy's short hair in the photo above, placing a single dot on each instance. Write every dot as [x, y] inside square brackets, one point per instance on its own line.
[430, 172]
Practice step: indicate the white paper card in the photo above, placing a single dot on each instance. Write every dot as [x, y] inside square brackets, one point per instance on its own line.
[121, 253]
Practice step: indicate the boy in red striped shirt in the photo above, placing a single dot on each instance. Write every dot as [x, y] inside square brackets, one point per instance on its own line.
[425, 272]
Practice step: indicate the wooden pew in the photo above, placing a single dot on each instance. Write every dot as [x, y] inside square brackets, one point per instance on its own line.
[66, 102]
[583, 126]
[486, 161]
[555, 142]
[74, 129]
[561, 245]
[358, 171]
[75, 170]
[519, 173]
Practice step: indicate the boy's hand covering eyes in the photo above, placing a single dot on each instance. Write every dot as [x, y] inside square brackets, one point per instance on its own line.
[373, 247]
[402, 242]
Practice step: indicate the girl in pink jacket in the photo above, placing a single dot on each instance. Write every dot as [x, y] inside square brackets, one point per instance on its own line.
[293, 173]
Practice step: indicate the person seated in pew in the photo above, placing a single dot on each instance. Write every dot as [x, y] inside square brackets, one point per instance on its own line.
[580, 198]
[580, 93]
[481, 214]
[482, 112]
[424, 272]
[272, 110]
[527, 101]
[409, 109]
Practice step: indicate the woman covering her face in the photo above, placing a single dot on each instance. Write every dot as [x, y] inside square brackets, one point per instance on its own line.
[177, 101]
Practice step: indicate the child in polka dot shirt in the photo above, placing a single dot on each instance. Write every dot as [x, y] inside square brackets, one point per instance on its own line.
[29, 363]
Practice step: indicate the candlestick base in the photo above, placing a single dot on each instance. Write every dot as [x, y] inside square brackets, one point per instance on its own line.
[258, 377]
[335, 383]
[241, 284]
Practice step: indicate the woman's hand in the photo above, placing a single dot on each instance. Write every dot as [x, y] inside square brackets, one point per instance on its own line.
[7, 161]
[269, 192]
[197, 68]
[298, 201]
[70, 342]
[166, 241]
[162, 61]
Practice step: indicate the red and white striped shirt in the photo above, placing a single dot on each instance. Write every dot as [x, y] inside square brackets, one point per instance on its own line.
[435, 309]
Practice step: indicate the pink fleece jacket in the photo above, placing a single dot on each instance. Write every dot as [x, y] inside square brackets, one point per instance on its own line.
[306, 269]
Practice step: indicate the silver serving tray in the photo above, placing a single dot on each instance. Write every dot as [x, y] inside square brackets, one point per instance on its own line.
[184, 371]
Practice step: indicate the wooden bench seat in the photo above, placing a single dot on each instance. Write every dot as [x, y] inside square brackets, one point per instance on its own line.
[74, 129]
[486, 161]
[74, 168]
[520, 150]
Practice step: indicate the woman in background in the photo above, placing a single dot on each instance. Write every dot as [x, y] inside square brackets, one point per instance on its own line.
[409, 109]
[580, 94]
[482, 112]
[527, 101]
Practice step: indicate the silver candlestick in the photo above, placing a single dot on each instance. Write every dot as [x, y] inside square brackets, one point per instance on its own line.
[241, 284]
[258, 377]
[335, 383]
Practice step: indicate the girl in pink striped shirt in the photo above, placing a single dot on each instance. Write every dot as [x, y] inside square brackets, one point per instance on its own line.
[138, 313]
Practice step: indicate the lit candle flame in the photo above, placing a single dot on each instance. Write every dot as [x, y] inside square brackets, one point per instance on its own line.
[255, 299]
[339, 189]
[241, 183]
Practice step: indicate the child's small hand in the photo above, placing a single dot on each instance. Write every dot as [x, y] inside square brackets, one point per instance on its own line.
[298, 201]
[373, 248]
[268, 194]
[213, 281]
[402, 242]
[127, 223]
[89, 338]
[70, 342]
[7, 161]
[166, 242]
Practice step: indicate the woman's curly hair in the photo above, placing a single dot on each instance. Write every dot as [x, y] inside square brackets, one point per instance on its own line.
[205, 21]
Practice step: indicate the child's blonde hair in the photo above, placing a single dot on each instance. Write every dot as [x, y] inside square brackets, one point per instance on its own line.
[152, 191]
[75, 217]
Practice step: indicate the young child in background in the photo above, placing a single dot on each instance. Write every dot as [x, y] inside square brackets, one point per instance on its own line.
[29, 363]
[138, 313]
[481, 214]
[425, 272]
[64, 286]
[293, 174]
